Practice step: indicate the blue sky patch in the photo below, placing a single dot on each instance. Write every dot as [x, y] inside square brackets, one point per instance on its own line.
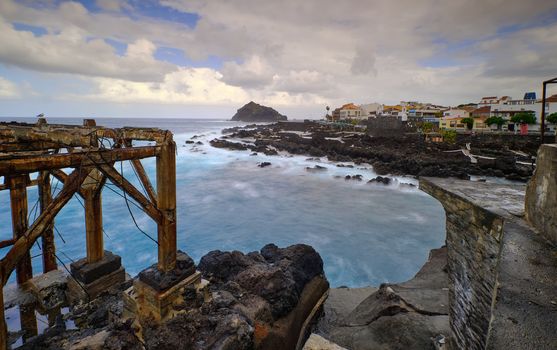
[37, 31]
[150, 9]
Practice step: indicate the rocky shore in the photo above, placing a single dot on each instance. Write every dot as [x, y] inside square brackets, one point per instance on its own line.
[258, 300]
[406, 154]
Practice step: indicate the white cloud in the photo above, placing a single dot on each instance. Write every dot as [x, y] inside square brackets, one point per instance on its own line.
[185, 86]
[253, 73]
[8, 89]
[293, 52]
[113, 5]
[72, 51]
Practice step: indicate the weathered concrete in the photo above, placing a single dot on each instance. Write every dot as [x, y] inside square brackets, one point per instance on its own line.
[317, 342]
[501, 273]
[50, 289]
[408, 315]
[541, 193]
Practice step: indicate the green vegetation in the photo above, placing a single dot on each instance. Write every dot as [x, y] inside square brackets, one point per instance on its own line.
[495, 120]
[552, 118]
[426, 127]
[449, 135]
[469, 122]
[524, 118]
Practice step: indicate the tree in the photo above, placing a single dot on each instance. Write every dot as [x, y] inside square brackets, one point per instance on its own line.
[552, 118]
[495, 121]
[524, 118]
[468, 121]
[426, 127]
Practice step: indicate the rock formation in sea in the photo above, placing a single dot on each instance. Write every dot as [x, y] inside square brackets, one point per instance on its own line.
[253, 112]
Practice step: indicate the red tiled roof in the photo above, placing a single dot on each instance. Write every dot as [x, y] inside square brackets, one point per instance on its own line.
[484, 109]
[489, 97]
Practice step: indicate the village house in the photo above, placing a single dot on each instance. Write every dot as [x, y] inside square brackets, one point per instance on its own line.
[452, 118]
[371, 110]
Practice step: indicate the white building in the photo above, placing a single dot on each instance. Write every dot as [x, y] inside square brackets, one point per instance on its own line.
[371, 110]
[456, 114]
[506, 107]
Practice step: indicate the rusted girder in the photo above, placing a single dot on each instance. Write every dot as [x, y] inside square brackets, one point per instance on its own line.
[25, 241]
[81, 158]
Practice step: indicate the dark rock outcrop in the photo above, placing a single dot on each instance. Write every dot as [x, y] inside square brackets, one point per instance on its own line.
[253, 112]
[278, 275]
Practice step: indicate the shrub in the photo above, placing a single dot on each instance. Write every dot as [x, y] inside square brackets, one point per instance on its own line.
[552, 118]
[426, 126]
[495, 120]
[449, 135]
[469, 122]
[524, 118]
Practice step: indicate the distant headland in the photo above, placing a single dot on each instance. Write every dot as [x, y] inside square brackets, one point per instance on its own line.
[254, 112]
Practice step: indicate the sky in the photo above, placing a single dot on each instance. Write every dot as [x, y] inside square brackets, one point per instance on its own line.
[206, 58]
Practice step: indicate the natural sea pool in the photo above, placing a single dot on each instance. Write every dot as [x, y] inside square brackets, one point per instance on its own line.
[366, 234]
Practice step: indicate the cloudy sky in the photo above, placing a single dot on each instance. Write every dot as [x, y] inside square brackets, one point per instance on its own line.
[206, 58]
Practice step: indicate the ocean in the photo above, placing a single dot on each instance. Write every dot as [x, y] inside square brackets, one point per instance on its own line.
[367, 234]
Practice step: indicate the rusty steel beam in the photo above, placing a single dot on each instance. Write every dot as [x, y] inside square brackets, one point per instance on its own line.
[20, 223]
[25, 241]
[75, 135]
[121, 182]
[142, 174]
[166, 201]
[82, 158]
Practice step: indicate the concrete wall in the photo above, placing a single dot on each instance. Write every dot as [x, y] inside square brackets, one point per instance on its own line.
[385, 126]
[541, 194]
[474, 242]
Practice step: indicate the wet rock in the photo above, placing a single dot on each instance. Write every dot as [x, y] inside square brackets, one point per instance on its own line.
[357, 177]
[189, 142]
[264, 164]
[254, 154]
[316, 168]
[381, 180]
[219, 143]
[270, 152]
[345, 165]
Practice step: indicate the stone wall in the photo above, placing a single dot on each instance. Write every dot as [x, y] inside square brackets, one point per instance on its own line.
[474, 242]
[541, 194]
[385, 126]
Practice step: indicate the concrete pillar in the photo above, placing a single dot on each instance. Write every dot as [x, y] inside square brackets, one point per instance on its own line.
[541, 193]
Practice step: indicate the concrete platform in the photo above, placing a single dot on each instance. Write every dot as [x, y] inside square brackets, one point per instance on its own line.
[502, 272]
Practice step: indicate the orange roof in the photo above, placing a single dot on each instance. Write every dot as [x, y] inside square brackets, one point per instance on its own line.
[484, 109]
[489, 97]
[552, 98]
[350, 106]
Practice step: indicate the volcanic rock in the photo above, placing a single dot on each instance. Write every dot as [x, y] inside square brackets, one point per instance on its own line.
[253, 112]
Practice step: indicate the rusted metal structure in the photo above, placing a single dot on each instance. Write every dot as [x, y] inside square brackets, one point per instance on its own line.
[544, 88]
[90, 151]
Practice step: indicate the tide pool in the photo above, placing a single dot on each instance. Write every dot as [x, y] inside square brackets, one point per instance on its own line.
[366, 234]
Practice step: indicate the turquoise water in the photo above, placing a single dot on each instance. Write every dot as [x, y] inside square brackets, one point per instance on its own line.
[367, 234]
